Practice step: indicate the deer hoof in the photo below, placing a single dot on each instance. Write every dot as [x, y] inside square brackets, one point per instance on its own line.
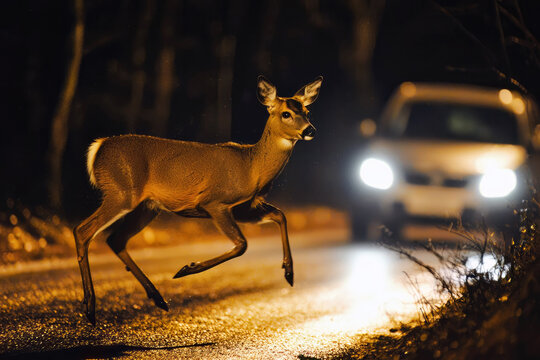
[91, 316]
[90, 311]
[160, 303]
[187, 270]
[289, 276]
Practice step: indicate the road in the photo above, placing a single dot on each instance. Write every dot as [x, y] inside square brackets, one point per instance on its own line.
[343, 294]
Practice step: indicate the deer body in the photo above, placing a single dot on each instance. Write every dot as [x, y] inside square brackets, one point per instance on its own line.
[142, 175]
[179, 175]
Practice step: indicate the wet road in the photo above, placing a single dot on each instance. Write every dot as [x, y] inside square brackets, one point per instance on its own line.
[244, 308]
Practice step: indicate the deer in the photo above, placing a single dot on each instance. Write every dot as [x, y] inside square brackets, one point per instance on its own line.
[139, 176]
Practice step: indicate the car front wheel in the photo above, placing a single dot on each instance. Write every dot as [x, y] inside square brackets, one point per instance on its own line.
[360, 228]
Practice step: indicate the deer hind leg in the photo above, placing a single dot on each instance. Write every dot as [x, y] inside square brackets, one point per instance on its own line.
[225, 222]
[109, 212]
[126, 228]
[263, 212]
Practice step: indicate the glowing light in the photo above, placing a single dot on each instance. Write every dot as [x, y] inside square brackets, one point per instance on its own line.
[149, 236]
[373, 290]
[13, 219]
[42, 242]
[367, 127]
[488, 264]
[373, 296]
[370, 272]
[377, 174]
[505, 96]
[497, 183]
[518, 106]
[408, 89]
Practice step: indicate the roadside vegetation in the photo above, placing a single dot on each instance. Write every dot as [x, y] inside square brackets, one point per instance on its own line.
[492, 309]
[28, 233]
[34, 233]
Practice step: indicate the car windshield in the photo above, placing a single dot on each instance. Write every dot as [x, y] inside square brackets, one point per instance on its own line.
[461, 122]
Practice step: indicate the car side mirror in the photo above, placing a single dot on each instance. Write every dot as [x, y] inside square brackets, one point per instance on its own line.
[367, 128]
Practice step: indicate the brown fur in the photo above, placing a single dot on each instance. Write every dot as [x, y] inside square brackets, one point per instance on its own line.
[140, 175]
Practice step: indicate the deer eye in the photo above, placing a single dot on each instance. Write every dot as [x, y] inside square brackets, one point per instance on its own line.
[286, 114]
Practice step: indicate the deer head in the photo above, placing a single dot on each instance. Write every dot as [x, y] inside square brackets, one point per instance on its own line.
[288, 115]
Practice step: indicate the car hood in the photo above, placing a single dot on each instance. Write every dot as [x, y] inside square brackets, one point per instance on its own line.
[455, 158]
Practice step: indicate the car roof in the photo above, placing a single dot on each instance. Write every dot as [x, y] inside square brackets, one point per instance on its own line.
[453, 92]
[510, 100]
[461, 93]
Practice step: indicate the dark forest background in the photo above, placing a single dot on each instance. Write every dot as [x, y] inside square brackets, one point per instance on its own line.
[187, 69]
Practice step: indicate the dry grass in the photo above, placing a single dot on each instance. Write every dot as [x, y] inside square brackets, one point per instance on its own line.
[491, 314]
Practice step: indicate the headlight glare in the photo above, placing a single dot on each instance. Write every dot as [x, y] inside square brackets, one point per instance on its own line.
[376, 173]
[497, 183]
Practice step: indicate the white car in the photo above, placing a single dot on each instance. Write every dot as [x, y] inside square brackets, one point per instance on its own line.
[444, 151]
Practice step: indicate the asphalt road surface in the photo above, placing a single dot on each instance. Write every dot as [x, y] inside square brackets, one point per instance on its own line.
[244, 309]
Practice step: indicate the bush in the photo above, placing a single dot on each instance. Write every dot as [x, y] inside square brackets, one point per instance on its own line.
[491, 312]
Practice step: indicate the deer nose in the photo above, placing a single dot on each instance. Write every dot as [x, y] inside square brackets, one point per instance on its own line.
[309, 132]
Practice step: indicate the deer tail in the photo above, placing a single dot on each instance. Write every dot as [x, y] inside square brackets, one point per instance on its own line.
[91, 157]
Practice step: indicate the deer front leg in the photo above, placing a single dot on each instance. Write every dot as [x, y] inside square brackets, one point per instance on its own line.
[225, 222]
[277, 216]
[264, 211]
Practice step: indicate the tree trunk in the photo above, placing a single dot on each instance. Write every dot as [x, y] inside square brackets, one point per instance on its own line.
[165, 69]
[227, 50]
[268, 30]
[138, 80]
[366, 17]
[59, 126]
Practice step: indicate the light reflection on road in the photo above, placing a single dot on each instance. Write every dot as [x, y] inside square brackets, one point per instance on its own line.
[244, 308]
[374, 296]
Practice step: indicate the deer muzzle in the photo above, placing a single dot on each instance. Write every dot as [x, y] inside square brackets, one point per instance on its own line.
[309, 133]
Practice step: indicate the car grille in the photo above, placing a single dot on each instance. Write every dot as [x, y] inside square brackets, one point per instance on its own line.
[456, 183]
[416, 178]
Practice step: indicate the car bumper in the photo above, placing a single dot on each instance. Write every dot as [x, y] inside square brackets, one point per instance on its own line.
[434, 202]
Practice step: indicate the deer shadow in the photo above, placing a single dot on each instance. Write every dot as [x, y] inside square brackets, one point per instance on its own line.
[93, 351]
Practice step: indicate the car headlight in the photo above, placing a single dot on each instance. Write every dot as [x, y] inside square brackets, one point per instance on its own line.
[497, 183]
[376, 173]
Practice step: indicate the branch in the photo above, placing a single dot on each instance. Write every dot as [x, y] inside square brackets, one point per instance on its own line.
[518, 10]
[518, 24]
[533, 44]
[487, 51]
[497, 72]
[493, 58]
[445, 285]
[501, 36]
[510, 80]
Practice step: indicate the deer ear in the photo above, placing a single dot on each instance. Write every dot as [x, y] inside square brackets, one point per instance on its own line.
[266, 92]
[308, 94]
